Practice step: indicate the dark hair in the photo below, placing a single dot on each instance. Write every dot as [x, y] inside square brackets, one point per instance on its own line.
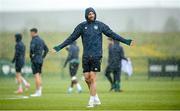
[34, 30]
[18, 37]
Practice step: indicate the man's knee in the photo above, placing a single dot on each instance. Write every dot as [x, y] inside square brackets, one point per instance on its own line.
[37, 75]
[87, 77]
[92, 77]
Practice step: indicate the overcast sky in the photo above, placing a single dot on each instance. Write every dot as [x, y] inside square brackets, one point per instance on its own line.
[50, 5]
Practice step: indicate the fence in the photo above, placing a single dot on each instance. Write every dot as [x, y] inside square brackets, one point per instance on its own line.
[163, 67]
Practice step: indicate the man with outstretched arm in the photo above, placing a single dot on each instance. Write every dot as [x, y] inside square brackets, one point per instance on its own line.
[91, 33]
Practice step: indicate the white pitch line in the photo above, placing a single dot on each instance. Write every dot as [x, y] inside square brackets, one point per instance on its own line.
[13, 98]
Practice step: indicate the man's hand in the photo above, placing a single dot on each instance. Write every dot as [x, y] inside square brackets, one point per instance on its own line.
[132, 43]
[52, 51]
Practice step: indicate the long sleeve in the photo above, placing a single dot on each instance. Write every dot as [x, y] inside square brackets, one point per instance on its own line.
[14, 58]
[67, 60]
[108, 32]
[46, 50]
[69, 57]
[32, 48]
[17, 53]
[76, 34]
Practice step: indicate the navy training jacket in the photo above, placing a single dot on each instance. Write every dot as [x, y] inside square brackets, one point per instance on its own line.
[116, 54]
[38, 50]
[91, 34]
[19, 56]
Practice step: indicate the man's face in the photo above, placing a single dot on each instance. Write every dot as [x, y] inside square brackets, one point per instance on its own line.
[110, 42]
[32, 34]
[91, 16]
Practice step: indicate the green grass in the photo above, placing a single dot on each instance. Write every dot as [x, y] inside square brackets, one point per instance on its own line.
[138, 93]
[162, 45]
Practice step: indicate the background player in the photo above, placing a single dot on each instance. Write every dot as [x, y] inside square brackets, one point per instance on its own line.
[73, 60]
[19, 60]
[38, 51]
[116, 54]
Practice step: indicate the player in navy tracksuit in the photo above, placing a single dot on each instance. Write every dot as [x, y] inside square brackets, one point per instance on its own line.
[19, 60]
[91, 32]
[38, 51]
[73, 60]
[116, 54]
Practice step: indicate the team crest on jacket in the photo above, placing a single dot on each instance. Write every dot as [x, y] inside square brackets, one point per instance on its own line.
[95, 27]
[85, 27]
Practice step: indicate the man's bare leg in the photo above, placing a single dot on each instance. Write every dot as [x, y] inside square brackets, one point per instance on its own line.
[18, 78]
[87, 78]
[93, 89]
[88, 82]
[19, 81]
[91, 80]
[92, 83]
[74, 82]
[38, 83]
[27, 85]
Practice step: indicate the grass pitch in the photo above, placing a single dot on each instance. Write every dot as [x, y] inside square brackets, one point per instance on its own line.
[138, 94]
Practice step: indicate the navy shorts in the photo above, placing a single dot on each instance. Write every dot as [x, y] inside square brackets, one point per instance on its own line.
[36, 68]
[91, 64]
[18, 69]
[18, 66]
